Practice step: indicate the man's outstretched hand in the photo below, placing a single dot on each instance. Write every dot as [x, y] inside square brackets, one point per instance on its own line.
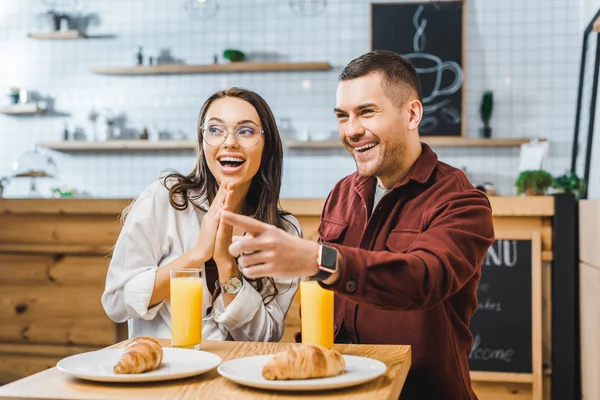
[266, 250]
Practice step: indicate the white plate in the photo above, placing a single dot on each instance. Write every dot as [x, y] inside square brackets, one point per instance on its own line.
[177, 363]
[248, 371]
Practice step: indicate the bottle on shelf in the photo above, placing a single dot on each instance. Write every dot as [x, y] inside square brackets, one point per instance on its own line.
[139, 56]
[66, 135]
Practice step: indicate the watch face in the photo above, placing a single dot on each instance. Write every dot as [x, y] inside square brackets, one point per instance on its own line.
[329, 257]
[233, 285]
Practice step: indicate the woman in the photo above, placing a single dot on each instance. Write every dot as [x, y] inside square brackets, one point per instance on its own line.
[175, 224]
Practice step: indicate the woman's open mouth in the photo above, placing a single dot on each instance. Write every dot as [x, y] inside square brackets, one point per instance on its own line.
[231, 165]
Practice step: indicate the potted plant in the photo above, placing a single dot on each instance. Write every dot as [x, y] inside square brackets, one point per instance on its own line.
[569, 183]
[533, 182]
[234, 55]
[485, 111]
[14, 95]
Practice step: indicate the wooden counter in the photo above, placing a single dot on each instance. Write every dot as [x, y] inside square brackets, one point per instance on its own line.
[53, 260]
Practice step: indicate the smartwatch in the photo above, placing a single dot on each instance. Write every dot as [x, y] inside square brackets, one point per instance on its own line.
[327, 262]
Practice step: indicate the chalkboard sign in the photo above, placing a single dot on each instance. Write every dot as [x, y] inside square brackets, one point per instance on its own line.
[430, 35]
[501, 327]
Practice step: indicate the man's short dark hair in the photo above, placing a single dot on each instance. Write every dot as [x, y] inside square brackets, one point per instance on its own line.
[398, 73]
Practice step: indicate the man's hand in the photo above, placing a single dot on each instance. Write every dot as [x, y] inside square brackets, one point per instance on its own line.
[269, 251]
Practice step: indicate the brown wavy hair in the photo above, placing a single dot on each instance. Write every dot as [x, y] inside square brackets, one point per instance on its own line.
[262, 199]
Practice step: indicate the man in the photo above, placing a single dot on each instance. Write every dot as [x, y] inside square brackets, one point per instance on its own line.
[403, 237]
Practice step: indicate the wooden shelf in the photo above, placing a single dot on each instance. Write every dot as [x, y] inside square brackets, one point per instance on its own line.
[119, 145]
[142, 145]
[58, 35]
[22, 109]
[171, 69]
[432, 141]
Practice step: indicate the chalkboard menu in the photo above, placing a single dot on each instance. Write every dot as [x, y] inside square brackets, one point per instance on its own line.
[430, 35]
[502, 325]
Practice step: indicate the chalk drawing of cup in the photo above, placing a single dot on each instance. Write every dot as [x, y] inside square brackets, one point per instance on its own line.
[431, 70]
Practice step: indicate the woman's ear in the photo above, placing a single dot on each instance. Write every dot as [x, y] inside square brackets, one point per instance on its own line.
[415, 114]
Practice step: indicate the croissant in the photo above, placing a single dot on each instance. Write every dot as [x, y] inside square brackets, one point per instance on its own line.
[141, 354]
[304, 362]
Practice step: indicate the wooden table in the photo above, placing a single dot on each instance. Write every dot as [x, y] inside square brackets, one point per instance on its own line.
[54, 384]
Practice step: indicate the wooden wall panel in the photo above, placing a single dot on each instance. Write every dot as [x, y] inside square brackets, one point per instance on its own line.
[90, 230]
[50, 302]
[100, 331]
[18, 361]
[17, 366]
[52, 270]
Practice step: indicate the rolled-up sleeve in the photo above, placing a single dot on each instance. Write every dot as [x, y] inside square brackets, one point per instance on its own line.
[132, 270]
[137, 293]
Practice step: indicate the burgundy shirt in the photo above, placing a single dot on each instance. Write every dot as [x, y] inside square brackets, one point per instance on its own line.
[410, 269]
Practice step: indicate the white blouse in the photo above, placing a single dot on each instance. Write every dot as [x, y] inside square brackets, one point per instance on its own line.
[154, 234]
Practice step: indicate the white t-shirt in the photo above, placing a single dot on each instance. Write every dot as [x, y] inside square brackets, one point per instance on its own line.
[155, 234]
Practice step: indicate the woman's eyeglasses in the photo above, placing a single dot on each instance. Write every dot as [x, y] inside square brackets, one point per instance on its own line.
[246, 135]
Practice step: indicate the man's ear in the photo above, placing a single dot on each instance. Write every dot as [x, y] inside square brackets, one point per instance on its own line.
[415, 114]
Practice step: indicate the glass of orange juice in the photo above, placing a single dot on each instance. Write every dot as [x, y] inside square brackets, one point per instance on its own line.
[186, 308]
[316, 309]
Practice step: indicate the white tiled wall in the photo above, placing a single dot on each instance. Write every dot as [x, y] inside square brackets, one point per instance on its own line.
[527, 51]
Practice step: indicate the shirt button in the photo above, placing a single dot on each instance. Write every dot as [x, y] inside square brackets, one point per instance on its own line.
[350, 286]
[335, 329]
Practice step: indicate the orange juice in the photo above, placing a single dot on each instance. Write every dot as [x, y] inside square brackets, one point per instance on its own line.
[316, 308]
[186, 308]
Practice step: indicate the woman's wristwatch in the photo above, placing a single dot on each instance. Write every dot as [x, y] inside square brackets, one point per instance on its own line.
[327, 263]
[232, 286]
